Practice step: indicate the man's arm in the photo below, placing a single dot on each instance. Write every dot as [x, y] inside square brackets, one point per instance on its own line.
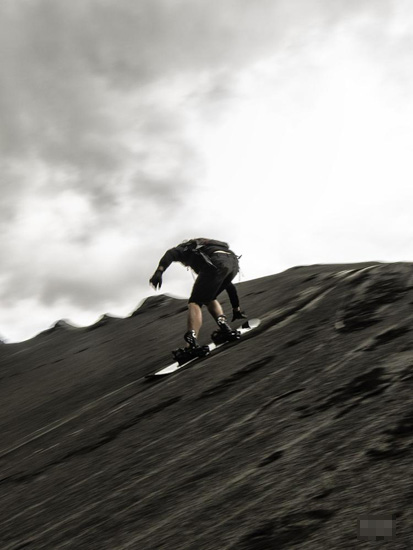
[233, 295]
[171, 255]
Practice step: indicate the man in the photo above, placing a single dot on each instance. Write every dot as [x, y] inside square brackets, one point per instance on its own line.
[216, 266]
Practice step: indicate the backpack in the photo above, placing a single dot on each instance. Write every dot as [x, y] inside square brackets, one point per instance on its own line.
[200, 246]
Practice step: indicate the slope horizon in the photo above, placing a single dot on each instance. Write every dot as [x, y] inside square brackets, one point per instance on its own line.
[67, 323]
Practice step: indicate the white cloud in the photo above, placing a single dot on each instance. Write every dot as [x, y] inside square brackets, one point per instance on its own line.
[281, 126]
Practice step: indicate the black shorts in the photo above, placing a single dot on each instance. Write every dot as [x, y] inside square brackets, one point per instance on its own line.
[212, 280]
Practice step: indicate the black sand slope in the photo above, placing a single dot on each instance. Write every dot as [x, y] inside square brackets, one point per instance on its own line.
[281, 441]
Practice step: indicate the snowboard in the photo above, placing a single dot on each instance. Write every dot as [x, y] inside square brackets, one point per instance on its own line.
[245, 328]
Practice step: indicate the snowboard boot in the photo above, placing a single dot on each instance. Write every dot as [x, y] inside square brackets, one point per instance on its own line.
[223, 324]
[224, 332]
[190, 338]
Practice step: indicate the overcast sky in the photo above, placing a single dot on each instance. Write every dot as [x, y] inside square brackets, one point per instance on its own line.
[282, 126]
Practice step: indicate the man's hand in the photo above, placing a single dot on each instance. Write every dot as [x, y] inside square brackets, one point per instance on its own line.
[156, 279]
[238, 314]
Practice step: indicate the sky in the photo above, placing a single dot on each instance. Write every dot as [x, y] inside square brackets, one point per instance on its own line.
[283, 127]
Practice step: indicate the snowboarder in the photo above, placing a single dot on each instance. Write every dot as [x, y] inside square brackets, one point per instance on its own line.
[216, 266]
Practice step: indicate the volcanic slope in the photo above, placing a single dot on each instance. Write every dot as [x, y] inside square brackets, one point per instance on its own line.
[281, 441]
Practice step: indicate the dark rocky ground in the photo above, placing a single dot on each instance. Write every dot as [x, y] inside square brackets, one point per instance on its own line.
[281, 441]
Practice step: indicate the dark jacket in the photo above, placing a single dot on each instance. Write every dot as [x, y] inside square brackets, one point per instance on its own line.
[196, 253]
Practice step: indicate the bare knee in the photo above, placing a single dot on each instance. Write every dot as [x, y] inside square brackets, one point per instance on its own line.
[194, 306]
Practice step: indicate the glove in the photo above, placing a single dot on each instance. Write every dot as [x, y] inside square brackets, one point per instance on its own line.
[156, 279]
[236, 314]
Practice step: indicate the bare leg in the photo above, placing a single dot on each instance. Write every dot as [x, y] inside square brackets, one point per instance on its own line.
[215, 309]
[194, 317]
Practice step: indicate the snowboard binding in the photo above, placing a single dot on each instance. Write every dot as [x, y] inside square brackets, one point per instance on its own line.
[221, 336]
[224, 333]
[183, 355]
